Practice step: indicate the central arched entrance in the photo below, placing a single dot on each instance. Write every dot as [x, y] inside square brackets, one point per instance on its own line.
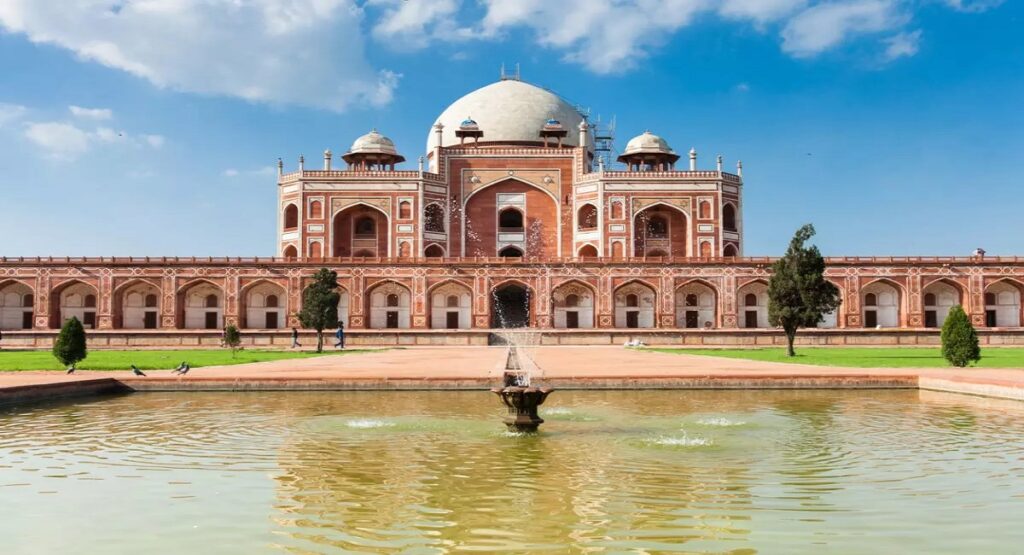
[510, 306]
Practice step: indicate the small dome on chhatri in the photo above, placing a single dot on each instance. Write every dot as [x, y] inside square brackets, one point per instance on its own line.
[468, 123]
[647, 143]
[373, 143]
[553, 123]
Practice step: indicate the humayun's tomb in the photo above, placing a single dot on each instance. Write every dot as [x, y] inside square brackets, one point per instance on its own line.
[508, 220]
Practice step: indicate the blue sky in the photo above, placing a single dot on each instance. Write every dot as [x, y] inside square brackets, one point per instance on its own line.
[151, 127]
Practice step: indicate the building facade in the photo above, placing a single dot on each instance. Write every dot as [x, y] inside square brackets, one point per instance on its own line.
[508, 220]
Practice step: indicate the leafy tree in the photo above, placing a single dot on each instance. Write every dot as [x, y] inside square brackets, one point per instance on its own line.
[959, 340]
[798, 293]
[320, 304]
[232, 339]
[69, 348]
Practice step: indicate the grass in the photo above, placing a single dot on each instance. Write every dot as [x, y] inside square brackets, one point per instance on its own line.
[863, 357]
[152, 360]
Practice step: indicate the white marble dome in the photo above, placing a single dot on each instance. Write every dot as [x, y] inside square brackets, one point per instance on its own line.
[647, 143]
[373, 143]
[508, 111]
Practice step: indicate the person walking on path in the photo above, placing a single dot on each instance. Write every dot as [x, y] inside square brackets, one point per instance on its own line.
[295, 339]
[340, 336]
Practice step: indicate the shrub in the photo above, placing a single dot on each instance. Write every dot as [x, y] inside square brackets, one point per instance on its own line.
[69, 348]
[959, 340]
[232, 338]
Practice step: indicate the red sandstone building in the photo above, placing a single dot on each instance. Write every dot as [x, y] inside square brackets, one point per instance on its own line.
[509, 219]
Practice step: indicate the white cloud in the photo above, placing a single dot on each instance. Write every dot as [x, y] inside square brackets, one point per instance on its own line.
[973, 5]
[265, 171]
[902, 45]
[829, 24]
[10, 113]
[60, 140]
[306, 52]
[155, 141]
[91, 113]
[66, 141]
[761, 11]
[413, 23]
[743, 87]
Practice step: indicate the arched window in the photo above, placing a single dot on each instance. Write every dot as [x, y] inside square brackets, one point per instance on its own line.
[271, 301]
[290, 252]
[729, 250]
[870, 299]
[404, 210]
[632, 300]
[729, 217]
[90, 301]
[656, 253]
[150, 300]
[929, 299]
[433, 218]
[705, 210]
[452, 301]
[315, 250]
[404, 249]
[705, 249]
[616, 210]
[316, 210]
[657, 226]
[586, 218]
[363, 254]
[588, 251]
[434, 251]
[211, 301]
[291, 216]
[572, 300]
[691, 299]
[750, 299]
[510, 219]
[366, 226]
[392, 300]
[510, 252]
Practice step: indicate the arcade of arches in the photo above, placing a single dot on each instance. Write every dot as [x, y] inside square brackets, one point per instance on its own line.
[697, 305]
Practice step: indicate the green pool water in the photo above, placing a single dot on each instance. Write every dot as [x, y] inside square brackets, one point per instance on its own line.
[434, 472]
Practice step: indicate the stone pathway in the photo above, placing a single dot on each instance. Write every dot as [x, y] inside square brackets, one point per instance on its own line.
[596, 366]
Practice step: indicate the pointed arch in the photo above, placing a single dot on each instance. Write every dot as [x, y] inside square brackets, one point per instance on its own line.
[661, 227]
[17, 305]
[938, 297]
[506, 179]
[389, 304]
[1002, 300]
[290, 216]
[587, 251]
[346, 242]
[513, 304]
[729, 212]
[194, 311]
[697, 304]
[752, 304]
[573, 302]
[886, 312]
[434, 250]
[445, 314]
[130, 311]
[586, 217]
[635, 303]
[76, 302]
[264, 304]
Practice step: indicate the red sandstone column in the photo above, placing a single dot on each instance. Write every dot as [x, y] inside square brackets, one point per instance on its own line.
[104, 316]
[231, 300]
[975, 301]
[915, 314]
[419, 303]
[729, 302]
[168, 303]
[356, 307]
[42, 301]
[481, 308]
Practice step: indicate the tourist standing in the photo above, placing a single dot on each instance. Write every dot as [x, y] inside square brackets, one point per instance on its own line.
[295, 339]
[340, 336]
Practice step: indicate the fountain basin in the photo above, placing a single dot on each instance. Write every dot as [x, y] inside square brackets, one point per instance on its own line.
[522, 403]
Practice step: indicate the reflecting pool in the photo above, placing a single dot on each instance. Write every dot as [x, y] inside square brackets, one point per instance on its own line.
[436, 472]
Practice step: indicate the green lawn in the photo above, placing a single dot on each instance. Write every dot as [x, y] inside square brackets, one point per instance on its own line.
[151, 360]
[863, 357]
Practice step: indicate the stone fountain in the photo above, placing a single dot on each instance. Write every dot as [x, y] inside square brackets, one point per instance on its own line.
[521, 398]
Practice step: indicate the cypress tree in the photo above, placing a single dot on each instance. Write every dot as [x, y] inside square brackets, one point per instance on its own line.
[232, 339]
[959, 340]
[69, 348]
[320, 304]
[798, 293]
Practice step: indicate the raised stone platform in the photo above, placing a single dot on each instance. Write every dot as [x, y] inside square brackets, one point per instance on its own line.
[474, 368]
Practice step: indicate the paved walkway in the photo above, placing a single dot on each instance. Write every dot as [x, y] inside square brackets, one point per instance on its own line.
[593, 365]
